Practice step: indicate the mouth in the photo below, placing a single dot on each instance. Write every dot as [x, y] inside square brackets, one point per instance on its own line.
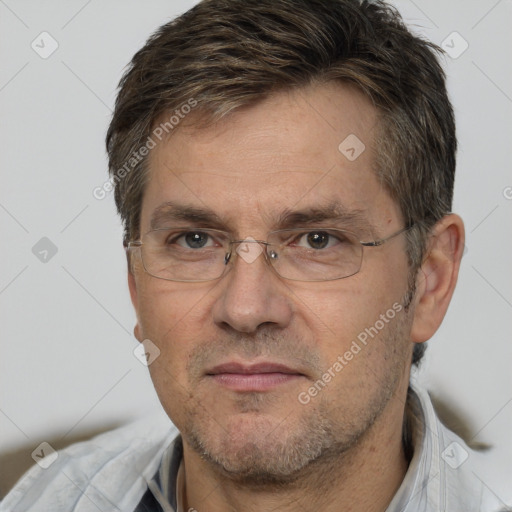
[263, 376]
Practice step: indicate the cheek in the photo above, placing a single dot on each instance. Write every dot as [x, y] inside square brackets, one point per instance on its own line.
[344, 311]
[362, 341]
[166, 307]
[174, 319]
[337, 309]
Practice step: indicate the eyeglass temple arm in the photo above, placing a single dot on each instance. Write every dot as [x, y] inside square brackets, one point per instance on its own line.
[133, 243]
[382, 241]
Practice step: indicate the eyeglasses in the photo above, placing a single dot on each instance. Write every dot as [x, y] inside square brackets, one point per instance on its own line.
[298, 254]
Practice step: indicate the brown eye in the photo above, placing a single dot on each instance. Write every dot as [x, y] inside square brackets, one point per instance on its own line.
[318, 239]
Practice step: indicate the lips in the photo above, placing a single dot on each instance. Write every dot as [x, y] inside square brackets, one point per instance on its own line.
[246, 369]
[263, 376]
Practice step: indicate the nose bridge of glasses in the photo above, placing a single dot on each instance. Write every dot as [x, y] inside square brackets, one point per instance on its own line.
[248, 240]
[248, 249]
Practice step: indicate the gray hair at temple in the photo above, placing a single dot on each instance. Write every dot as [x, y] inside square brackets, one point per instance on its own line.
[228, 54]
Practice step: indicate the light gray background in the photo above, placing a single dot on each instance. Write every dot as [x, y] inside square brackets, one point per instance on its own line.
[67, 367]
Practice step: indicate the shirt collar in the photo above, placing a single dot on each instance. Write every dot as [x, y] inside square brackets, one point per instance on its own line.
[168, 485]
[419, 463]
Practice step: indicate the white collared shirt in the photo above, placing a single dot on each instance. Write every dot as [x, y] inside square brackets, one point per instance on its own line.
[139, 468]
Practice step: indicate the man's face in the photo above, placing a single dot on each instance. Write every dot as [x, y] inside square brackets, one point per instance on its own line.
[239, 355]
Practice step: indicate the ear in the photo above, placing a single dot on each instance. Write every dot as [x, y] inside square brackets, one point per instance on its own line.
[132, 285]
[437, 277]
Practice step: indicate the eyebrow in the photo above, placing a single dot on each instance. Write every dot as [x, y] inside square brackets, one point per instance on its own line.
[170, 211]
[333, 212]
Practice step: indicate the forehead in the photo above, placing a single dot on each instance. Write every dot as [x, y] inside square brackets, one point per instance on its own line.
[296, 149]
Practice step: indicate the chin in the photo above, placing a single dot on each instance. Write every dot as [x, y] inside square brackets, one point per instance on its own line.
[260, 449]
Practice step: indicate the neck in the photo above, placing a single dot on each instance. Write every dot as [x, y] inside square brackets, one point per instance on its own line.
[364, 478]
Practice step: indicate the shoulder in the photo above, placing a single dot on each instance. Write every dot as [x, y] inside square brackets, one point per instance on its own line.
[109, 470]
[458, 479]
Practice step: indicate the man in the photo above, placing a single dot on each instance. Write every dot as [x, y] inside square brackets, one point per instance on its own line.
[284, 171]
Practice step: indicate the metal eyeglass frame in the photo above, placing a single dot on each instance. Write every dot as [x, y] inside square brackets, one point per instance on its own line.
[227, 257]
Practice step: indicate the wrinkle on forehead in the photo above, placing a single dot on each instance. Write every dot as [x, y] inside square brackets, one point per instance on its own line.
[273, 200]
[280, 154]
[301, 126]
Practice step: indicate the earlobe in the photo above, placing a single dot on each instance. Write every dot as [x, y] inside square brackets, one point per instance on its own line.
[137, 332]
[437, 277]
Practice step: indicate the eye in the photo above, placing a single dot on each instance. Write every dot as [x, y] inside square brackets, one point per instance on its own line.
[317, 240]
[192, 240]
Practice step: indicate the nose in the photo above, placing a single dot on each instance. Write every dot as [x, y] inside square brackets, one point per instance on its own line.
[251, 294]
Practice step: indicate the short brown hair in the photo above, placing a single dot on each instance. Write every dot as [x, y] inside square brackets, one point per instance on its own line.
[225, 54]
